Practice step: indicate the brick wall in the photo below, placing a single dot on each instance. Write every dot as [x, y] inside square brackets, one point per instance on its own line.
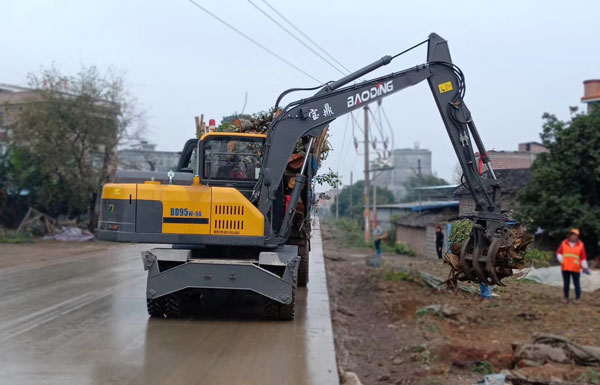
[532, 147]
[414, 237]
[466, 206]
[421, 239]
[509, 160]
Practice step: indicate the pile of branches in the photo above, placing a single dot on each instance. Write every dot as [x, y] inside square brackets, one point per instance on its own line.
[259, 124]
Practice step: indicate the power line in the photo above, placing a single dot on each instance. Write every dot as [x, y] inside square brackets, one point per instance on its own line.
[378, 125]
[306, 36]
[343, 142]
[255, 42]
[296, 37]
[389, 125]
[357, 124]
[393, 149]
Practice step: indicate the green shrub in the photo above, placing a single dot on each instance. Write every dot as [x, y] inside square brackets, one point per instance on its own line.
[402, 248]
[484, 368]
[14, 237]
[538, 258]
[460, 231]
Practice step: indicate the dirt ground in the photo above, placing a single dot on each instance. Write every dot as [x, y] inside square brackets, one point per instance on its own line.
[380, 336]
[43, 250]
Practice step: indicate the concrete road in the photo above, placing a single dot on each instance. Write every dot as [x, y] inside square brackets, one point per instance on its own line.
[82, 320]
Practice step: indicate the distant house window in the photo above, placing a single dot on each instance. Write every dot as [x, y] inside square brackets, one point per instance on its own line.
[528, 146]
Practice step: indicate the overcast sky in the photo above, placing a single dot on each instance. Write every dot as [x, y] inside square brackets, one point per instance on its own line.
[520, 59]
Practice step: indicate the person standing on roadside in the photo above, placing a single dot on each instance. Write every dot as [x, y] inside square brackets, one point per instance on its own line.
[378, 235]
[572, 258]
[439, 241]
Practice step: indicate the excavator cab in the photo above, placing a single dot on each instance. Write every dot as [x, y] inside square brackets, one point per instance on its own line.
[227, 159]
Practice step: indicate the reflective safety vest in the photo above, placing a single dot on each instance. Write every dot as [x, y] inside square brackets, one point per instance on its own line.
[572, 256]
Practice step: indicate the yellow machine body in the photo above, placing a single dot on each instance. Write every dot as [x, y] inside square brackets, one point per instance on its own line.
[189, 210]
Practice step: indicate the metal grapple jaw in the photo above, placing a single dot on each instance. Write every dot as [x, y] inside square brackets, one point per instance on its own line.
[489, 254]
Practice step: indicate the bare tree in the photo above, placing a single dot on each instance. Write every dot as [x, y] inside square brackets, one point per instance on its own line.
[457, 173]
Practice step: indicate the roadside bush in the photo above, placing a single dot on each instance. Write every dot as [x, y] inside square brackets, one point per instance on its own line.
[349, 232]
[538, 258]
[404, 249]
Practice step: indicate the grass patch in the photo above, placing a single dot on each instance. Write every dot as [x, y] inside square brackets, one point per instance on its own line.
[529, 281]
[590, 377]
[398, 276]
[484, 368]
[422, 312]
[351, 234]
[433, 328]
[14, 237]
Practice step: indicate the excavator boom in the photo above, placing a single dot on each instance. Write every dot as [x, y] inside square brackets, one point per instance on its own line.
[309, 117]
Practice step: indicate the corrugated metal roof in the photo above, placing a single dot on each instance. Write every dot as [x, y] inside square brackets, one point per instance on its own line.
[12, 88]
[419, 206]
[441, 187]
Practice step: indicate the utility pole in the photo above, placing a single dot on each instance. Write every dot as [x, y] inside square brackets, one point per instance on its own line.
[337, 204]
[351, 190]
[367, 184]
[374, 203]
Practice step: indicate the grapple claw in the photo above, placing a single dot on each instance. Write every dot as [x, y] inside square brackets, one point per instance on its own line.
[477, 253]
[466, 269]
[491, 261]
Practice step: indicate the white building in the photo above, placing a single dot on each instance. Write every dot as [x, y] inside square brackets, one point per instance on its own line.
[407, 162]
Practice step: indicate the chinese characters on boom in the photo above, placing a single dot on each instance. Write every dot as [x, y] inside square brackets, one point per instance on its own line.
[327, 112]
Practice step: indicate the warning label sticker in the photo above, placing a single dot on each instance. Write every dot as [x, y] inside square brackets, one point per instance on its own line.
[445, 87]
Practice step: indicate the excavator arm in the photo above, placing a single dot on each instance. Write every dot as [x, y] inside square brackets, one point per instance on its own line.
[308, 117]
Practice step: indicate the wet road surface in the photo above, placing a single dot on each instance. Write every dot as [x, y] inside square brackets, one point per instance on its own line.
[82, 320]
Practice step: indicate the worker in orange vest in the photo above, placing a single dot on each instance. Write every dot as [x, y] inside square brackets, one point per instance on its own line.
[572, 257]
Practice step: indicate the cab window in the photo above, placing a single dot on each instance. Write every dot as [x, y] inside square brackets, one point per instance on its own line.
[232, 158]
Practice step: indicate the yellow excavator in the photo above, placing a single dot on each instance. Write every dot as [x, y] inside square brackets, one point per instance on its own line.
[233, 224]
